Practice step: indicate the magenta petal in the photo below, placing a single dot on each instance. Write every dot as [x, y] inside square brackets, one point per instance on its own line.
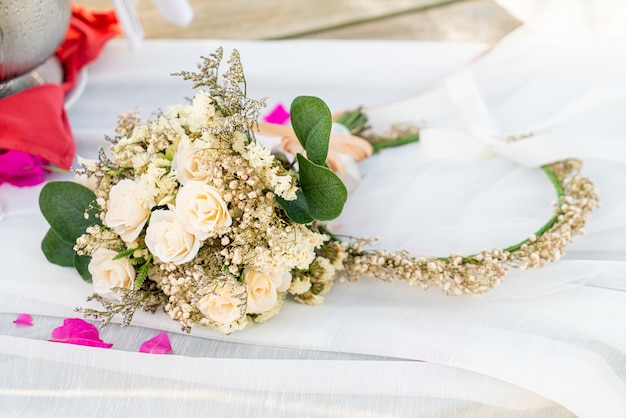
[20, 168]
[159, 344]
[24, 319]
[79, 332]
[278, 115]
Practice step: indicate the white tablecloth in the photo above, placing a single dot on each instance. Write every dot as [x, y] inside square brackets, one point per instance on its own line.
[548, 342]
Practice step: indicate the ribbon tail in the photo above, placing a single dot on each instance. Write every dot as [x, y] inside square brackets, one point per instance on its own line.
[543, 149]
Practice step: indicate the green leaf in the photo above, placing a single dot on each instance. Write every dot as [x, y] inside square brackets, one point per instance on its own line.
[311, 121]
[81, 262]
[125, 253]
[56, 250]
[324, 191]
[297, 210]
[142, 274]
[63, 204]
[323, 194]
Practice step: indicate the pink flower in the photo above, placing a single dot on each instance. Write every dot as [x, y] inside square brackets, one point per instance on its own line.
[20, 168]
[159, 344]
[279, 115]
[79, 332]
[24, 319]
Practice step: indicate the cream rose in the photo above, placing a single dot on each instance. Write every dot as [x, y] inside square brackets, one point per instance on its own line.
[220, 305]
[186, 164]
[92, 165]
[107, 273]
[263, 289]
[167, 239]
[126, 214]
[201, 209]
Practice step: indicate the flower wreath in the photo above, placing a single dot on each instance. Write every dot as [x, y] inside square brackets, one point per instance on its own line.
[191, 213]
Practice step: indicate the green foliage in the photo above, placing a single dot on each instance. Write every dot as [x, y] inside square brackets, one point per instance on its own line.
[325, 192]
[312, 122]
[322, 194]
[56, 250]
[297, 210]
[142, 274]
[64, 205]
[81, 263]
[124, 253]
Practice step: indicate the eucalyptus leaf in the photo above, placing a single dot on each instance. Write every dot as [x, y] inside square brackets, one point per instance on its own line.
[297, 210]
[81, 262]
[324, 191]
[63, 204]
[312, 122]
[56, 250]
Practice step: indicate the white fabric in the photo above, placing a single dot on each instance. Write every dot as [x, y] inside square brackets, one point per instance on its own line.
[547, 342]
[568, 19]
[483, 138]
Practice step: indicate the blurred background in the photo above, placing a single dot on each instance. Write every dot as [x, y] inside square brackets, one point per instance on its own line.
[427, 20]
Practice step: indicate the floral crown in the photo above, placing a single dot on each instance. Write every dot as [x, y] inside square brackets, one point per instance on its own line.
[191, 213]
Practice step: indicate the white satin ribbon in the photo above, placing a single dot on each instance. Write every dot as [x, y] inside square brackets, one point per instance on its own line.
[483, 138]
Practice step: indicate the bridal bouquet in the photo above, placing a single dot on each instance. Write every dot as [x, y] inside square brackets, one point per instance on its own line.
[189, 212]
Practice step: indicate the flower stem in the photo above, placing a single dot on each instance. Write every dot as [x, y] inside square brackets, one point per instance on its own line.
[55, 169]
[326, 231]
[559, 196]
[395, 142]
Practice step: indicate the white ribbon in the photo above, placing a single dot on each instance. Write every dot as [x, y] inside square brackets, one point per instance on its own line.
[483, 138]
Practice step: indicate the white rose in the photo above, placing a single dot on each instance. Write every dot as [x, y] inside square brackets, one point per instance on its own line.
[186, 164]
[107, 273]
[201, 209]
[125, 212]
[263, 289]
[167, 239]
[92, 165]
[220, 305]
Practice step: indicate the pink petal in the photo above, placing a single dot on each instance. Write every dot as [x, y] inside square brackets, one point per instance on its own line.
[79, 332]
[20, 168]
[24, 319]
[278, 115]
[159, 344]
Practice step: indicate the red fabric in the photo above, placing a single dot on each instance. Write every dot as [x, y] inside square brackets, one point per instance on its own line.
[85, 38]
[34, 120]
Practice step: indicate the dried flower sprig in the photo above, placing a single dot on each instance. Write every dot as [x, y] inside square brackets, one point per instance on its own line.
[130, 301]
[235, 107]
